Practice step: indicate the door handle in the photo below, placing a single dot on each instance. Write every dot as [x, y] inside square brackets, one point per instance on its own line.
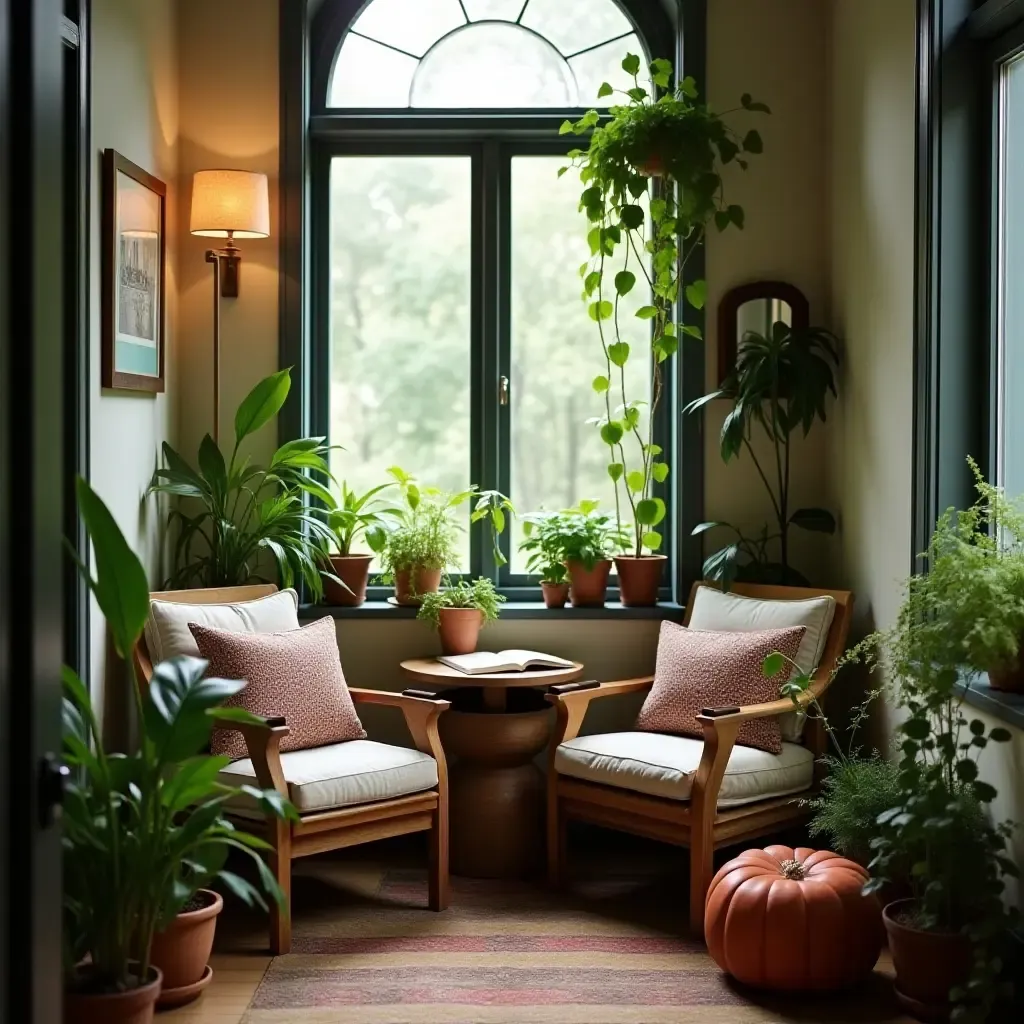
[503, 389]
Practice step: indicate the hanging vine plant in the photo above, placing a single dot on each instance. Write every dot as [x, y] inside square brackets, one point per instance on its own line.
[652, 178]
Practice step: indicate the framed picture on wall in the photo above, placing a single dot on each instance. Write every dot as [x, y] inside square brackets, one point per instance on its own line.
[134, 257]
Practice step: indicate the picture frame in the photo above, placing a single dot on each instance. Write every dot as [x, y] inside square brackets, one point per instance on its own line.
[134, 276]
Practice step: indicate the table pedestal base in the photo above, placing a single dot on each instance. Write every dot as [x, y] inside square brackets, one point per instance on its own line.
[496, 792]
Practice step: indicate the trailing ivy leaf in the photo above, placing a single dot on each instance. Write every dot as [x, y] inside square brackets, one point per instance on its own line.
[618, 353]
[727, 149]
[592, 280]
[601, 384]
[688, 87]
[660, 471]
[566, 128]
[594, 241]
[772, 665]
[636, 481]
[605, 90]
[562, 170]
[693, 331]
[817, 520]
[611, 433]
[631, 417]
[637, 94]
[600, 310]
[722, 219]
[653, 449]
[736, 215]
[665, 347]
[658, 209]
[632, 217]
[651, 540]
[748, 103]
[624, 281]
[615, 471]
[631, 64]
[752, 142]
[636, 186]
[647, 312]
[697, 294]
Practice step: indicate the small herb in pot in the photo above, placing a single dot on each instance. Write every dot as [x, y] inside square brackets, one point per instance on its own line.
[479, 594]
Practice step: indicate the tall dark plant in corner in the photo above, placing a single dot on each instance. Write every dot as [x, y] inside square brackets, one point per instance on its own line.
[779, 386]
[247, 511]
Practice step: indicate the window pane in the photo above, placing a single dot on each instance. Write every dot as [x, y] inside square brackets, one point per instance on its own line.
[1011, 361]
[411, 25]
[367, 74]
[503, 10]
[557, 458]
[577, 25]
[605, 65]
[493, 65]
[400, 320]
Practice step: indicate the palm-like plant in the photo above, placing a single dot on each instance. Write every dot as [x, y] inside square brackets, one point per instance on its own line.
[780, 384]
[365, 515]
[247, 510]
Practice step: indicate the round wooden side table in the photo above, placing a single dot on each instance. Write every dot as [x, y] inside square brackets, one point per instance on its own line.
[495, 728]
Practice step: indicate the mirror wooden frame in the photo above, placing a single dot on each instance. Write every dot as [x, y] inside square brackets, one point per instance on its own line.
[728, 316]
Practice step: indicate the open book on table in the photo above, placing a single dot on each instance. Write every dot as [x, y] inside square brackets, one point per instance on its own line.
[486, 662]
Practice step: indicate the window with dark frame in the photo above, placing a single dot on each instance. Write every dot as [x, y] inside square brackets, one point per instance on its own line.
[447, 334]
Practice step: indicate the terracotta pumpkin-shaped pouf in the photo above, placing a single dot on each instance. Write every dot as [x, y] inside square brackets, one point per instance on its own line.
[793, 920]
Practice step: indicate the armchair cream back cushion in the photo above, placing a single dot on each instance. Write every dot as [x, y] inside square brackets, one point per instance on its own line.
[730, 612]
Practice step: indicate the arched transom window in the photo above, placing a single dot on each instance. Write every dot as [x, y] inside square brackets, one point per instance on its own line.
[482, 54]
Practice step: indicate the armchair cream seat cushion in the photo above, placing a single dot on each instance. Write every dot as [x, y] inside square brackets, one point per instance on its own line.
[664, 766]
[168, 635]
[714, 610]
[340, 775]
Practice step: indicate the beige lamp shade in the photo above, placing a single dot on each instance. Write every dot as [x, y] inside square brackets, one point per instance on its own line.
[226, 203]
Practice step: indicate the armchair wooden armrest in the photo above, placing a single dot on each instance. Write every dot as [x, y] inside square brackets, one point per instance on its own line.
[263, 742]
[572, 707]
[420, 714]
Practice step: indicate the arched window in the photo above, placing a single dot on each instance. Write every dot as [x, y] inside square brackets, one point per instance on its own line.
[447, 335]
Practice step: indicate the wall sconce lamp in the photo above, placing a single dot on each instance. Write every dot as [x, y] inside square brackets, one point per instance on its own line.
[227, 204]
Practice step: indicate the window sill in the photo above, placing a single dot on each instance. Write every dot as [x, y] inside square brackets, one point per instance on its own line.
[510, 610]
[1007, 707]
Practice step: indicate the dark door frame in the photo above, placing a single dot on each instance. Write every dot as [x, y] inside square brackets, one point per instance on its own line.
[31, 502]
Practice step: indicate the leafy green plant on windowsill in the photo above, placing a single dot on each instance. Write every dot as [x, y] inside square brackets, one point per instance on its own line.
[247, 510]
[780, 385]
[661, 131]
[142, 832]
[361, 515]
[581, 534]
[479, 594]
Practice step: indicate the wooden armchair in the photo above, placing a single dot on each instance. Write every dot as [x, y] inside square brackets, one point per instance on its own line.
[692, 819]
[414, 808]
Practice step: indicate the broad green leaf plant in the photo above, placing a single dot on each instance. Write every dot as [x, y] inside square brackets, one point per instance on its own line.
[248, 511]
[582, 534]
[780, 384]
[364, 515]
[142, 832]
[652, 178]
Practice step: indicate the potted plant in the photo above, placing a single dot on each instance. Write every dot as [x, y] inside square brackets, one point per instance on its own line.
[542, 545]
[459, 612]
[142, 832]
[779, 384]
[420, 543]
[353, 516]
[945, 938]
[248, 511]
[659, 129]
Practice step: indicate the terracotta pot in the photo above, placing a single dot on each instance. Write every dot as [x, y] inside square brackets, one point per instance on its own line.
[928, 964]
[183, 949]
[353, 571]
[133, 1007]
[555, 594]
[639, 579]
[1007, 677]
[411, 584]
[587, 587]
[652, 167]
[459, 629]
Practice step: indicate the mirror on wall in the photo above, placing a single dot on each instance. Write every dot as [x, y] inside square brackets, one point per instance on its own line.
[755, 308]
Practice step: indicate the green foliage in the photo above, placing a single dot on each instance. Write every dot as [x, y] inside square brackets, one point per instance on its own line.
[580, 534]
[247, 510]
[964, 614]
[479, 594]
[423, 532]
[636, 227]
[780, 385]
[143, 831]
[364, 515]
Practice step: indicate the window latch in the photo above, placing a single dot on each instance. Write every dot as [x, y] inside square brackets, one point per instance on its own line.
[503, 391]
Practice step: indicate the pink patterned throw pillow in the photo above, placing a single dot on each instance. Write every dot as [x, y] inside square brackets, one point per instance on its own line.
[296, 673]
[699, 669]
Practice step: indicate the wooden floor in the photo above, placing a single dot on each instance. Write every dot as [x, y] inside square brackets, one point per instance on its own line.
[241, 960]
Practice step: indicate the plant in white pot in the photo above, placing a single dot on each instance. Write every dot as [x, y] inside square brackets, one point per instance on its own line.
[145, 831]
[653, 182]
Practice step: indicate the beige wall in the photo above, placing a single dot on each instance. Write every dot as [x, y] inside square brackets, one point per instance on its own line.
[135, 111]
[775, 51]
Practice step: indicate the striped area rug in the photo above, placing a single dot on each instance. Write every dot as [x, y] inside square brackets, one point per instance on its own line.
[613, 951]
